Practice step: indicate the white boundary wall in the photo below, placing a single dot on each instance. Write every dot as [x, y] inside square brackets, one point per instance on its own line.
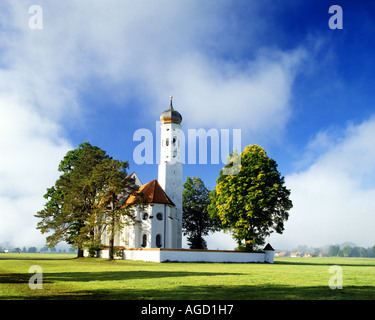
[186, 255]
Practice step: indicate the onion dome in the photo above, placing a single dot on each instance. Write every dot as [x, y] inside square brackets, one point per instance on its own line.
[171, 115]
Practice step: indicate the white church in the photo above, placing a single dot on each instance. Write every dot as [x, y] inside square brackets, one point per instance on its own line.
[157, 235]
[159, 224]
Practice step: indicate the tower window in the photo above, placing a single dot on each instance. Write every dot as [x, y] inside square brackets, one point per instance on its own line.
[159, 216]
[158, 240]
[167, 142]
[144, 241]
[145, 216]
[174, 141]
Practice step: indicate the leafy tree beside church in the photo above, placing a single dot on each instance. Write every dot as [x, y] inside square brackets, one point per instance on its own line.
[196, 221]
[115, 187]
[252, 203]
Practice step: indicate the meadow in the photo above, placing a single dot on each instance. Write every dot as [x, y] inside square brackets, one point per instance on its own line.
[66, 277]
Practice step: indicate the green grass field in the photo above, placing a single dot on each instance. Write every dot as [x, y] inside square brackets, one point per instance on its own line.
[65, 277]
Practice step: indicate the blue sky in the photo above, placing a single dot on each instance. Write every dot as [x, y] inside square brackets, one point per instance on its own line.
[100, 70]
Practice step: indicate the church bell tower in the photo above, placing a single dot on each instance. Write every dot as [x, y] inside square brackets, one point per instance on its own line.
[170, 167]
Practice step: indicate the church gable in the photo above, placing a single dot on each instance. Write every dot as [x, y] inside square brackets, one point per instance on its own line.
[153, 193]
[137, 180]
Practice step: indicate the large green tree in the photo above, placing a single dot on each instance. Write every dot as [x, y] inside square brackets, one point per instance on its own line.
[252, 203]
[71, 201]
[77, 205]
[196, 222]
[115, 187]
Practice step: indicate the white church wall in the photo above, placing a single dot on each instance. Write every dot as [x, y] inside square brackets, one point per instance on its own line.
[211, 256]
[144, 228]
[185, 255]
[103, 254]
[163, 225]
[151, 255]
[157, 224]
[269, 256]
[171, 228]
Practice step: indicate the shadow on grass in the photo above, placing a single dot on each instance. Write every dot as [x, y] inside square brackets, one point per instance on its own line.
[172, 291]
[204, 292]
[328, 263]
[104, 276]
[243, 292]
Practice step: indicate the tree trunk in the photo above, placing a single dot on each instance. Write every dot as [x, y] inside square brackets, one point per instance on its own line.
[111, 247]
[80, 253]
[112, 239]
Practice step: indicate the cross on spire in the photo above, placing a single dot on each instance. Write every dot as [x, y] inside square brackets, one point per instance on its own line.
[171, 106]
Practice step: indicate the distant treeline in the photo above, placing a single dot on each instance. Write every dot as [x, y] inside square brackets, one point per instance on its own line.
[347, 249]
[36, 250]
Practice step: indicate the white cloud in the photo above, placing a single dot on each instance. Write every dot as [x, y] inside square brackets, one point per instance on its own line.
[158, 46]
[31, 148]
[254, 95]
[334, 197]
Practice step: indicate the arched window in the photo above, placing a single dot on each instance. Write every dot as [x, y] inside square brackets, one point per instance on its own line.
[158, 240]
[174, 141]
[145, 216]
[167, 142]
[144, 241]
[159, 216]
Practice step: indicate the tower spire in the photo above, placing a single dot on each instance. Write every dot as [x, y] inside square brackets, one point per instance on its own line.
[171, 115]
[170, 105]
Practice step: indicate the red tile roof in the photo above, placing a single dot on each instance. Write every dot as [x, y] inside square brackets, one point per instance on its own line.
[153, 193]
